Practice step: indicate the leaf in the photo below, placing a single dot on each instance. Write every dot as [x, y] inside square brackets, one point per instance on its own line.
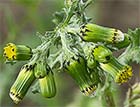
[136, 55]
[135, 37]
[132, 52]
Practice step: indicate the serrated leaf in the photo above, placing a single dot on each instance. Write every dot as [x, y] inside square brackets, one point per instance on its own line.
[136, 55]
[132, 52]
[135, 37]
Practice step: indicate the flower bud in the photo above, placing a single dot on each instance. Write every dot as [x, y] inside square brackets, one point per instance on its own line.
[47, 85]
[102, 54]
[77, 69]
[22, 83]
[17, 52]
[95, 33]
[40, 69]
[120, 73]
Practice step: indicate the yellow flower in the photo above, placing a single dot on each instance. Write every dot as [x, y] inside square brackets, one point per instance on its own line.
[17, 52]
[10, 51]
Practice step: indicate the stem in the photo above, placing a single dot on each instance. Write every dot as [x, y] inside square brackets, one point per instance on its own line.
[109, 99]
[107, 94]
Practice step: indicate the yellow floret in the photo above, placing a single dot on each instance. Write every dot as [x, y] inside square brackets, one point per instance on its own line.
[124, 75]
[10, 51]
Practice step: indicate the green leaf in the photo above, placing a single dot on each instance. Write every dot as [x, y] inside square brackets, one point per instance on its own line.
[132, 52]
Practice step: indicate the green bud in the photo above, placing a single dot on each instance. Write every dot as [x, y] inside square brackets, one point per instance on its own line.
[95, 33]
[17, 52]
[47, 85]
[102, 54]
[77, 69]
[120, 73]
[40, 69]
[22, 83]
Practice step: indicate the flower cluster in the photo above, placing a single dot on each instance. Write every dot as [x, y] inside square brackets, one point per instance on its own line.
[83, 51]
[82, 67]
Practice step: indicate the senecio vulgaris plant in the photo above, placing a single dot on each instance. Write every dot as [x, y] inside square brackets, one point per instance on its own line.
[82, 49]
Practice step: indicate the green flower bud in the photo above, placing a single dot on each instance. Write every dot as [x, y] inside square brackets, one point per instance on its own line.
[17, 52]
[102, 54]
[40, 69]
[95, 33]
[22, 83]
[77, 69]
[120, 73]
[47, 85]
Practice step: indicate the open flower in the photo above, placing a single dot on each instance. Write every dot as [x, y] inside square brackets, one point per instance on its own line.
[17, 52]
[23, 82]
[77, 69]
[95, 33]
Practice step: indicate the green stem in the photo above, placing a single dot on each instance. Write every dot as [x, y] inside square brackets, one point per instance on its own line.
[107, 94]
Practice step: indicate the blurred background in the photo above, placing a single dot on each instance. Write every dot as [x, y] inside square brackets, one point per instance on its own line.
[21, 19]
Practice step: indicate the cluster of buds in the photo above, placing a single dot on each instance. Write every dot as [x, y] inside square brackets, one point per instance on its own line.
[83, 68]
[29, 73]
[103, 55]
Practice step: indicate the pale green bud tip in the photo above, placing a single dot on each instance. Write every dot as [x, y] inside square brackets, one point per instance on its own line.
[17, 52]
[119, 37]
[15, 97]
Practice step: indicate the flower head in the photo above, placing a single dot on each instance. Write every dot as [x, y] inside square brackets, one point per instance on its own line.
[120, 73]
[17, 52]
[22, 84]
[47, 85]
[95, 33]
[77, 69]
